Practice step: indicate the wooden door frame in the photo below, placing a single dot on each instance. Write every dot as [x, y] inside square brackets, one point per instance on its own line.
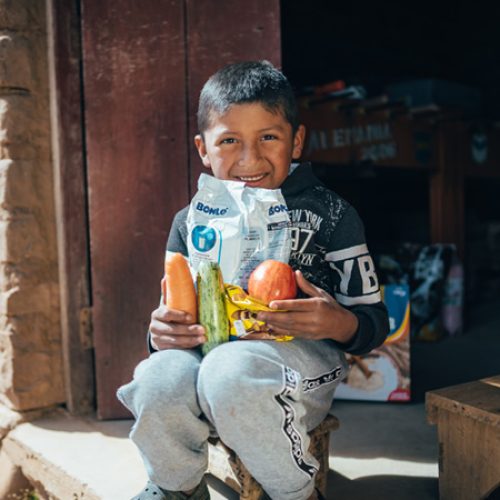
[70, 193]
[69, 157]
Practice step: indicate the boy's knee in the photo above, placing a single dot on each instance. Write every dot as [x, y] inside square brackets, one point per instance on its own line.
[164, 376]
[226, 367]
[170, 368]
[233, 379]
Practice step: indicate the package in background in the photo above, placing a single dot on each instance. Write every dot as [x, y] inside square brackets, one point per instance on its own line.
[237, 227]
[453, 299]
[427, 283]
[242, 311]
[384, 373]
[435, 276]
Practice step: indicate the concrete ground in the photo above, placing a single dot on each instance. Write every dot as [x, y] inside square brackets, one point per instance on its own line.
[381, 450]
[386, 450]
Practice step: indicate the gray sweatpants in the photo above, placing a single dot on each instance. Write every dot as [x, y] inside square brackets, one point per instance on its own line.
[260, 397]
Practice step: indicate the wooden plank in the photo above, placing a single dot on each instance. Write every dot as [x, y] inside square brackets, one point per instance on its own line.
[214, 39]
[136, 129]
[70, 199]
[494, 381]
[469, 465]
[447, 190]
[478, 400]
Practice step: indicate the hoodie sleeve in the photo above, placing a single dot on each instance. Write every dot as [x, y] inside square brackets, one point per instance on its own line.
[355, 283]
[177, 239]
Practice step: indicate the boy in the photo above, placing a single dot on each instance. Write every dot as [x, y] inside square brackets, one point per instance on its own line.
[260, 397]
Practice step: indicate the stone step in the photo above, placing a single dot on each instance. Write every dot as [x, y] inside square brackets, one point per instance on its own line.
[68, 458]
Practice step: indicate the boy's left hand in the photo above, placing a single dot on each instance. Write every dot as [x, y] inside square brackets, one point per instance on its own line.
[317, 317]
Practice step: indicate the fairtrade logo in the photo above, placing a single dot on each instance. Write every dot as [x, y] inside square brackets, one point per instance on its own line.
[277, 209]
[206, 209]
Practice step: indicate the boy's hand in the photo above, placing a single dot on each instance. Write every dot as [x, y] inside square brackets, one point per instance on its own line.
[172, 329]
[317, 317]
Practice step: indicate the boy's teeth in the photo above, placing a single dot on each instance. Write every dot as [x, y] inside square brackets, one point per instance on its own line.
[250, 179]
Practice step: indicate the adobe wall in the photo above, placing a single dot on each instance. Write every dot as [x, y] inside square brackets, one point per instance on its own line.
[31, 373]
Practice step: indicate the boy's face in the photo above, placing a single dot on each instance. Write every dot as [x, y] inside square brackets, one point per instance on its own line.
[250, 144]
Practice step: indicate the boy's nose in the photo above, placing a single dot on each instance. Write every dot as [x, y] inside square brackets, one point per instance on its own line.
[250, 156]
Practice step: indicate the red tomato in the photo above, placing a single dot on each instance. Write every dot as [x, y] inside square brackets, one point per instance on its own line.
[272, 280]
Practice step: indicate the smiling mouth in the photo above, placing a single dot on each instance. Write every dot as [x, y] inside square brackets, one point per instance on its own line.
[253, 178]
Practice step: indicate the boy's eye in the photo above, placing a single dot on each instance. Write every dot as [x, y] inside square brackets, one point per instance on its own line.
[228, 140]
[269, 137]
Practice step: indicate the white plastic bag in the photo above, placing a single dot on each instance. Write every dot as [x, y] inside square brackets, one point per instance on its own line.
[237, 226]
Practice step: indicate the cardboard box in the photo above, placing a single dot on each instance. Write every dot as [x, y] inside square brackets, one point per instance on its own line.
[384, 373]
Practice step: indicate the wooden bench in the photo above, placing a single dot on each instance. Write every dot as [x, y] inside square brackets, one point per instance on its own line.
[468, 425]
[226, 465]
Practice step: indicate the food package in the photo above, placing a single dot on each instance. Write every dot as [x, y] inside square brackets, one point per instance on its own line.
[242, 311]
[236, 227]
[384, 373]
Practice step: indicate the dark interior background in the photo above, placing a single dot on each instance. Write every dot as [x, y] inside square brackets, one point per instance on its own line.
[374, 44]
[377, 43]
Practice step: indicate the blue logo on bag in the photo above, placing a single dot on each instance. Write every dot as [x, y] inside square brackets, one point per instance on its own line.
[276, 209]
[203, 238]
[206, 209]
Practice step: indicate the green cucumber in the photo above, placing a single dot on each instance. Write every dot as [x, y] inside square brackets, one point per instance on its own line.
[211, 305]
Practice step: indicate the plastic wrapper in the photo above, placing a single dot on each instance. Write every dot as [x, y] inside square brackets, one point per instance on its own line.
[236, 227]
[242, 311]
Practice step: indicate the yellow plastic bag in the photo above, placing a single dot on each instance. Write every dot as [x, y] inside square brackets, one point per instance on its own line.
[243, 323]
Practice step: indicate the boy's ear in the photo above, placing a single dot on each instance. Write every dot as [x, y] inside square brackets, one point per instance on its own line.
[202, 150]
[298, 142]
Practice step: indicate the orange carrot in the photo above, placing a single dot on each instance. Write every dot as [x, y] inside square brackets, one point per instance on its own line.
[179, 291]
[164, 289]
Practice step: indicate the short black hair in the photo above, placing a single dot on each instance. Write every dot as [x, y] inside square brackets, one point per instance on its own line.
[244, 83]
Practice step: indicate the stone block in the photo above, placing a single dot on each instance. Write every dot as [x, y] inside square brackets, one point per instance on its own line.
[28, 273]
[20, 14]
[22, 132]
[8, 420]
[30, 380]
[33, 332]
[43, 298]
[17, 185]
[37, 380]
[13, 484]
[17, 150]
[21, 239]
[16, 63]
[6, 352]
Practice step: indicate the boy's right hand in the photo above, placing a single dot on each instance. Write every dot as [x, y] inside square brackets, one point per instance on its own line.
[172, 329]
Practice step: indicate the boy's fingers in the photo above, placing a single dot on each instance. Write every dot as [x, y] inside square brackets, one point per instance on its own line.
[174, 329]
[306, 286]
[163, 313]
[291, 305]
[294, 332]
[162, 342]
[288, 321]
